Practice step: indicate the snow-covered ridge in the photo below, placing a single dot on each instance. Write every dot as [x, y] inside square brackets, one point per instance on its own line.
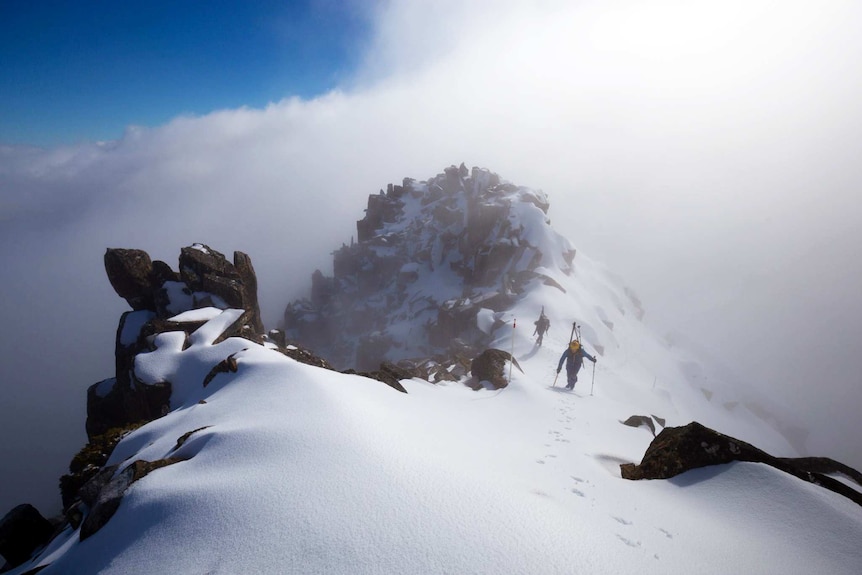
[276, 467]
[265, 464]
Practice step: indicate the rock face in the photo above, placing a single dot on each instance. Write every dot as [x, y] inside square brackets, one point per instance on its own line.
[679, 449]
[159, 297]
[157, 294]
[131, 275]
[436, 262]
[22, 531]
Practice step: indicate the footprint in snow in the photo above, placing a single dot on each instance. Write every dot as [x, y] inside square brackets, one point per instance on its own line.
[577, 492]
[628, 542]
[667, 533]
[621, 520]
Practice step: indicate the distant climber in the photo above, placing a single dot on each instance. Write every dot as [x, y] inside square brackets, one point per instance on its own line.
[574, 358]
[542, 325]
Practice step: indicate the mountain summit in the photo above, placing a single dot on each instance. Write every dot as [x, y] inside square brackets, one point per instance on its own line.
[437, 268]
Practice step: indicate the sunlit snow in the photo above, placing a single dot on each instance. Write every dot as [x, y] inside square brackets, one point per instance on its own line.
[297, 469]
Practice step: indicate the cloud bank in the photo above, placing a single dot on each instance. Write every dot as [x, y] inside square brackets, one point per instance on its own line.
[707, 152]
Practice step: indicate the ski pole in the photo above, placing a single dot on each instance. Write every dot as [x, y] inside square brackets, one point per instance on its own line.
[555, 379]
[594, 378]
[514, 323]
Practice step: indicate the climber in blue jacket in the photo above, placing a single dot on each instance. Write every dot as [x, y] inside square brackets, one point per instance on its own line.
[574, 358]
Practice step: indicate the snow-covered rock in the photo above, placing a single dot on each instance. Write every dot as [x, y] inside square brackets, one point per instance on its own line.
[431, 256]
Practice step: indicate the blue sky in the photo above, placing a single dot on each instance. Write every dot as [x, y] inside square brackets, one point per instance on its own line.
[75, 71]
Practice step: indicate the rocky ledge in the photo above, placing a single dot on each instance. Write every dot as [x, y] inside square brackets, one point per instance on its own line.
[679, 449]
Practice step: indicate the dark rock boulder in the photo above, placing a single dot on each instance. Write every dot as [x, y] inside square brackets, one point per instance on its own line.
[110, 405]
[679, 449]
[119, 401]
[203, 269]
[248, 277]
[492, 366]
[199, 261]
[105, 408]
[22, 531]
[130, 273]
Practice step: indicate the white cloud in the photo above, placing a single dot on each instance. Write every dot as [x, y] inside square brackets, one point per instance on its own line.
[706, 151]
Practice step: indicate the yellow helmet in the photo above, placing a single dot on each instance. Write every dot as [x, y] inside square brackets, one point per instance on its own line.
[575, 345]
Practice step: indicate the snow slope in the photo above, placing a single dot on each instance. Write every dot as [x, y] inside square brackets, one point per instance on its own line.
[296, 469]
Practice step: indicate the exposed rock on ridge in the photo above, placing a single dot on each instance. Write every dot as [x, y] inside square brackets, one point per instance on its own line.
[430, 257]
[157, 294]
[679, 449]
[206, 280]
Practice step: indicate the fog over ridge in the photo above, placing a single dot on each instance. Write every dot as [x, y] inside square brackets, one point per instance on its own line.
[706, 152]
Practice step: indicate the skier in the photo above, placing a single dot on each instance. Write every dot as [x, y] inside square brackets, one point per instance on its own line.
[542, 325]
[574, 358]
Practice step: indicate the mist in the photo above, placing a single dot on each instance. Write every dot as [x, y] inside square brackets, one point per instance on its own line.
[706, 152]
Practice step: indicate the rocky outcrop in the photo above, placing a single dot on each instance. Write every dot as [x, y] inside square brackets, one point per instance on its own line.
[679, 449]
[157, 294]
[207, 271]
[22, 531]
[435, 261]
[131, 275]
[492, 366]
